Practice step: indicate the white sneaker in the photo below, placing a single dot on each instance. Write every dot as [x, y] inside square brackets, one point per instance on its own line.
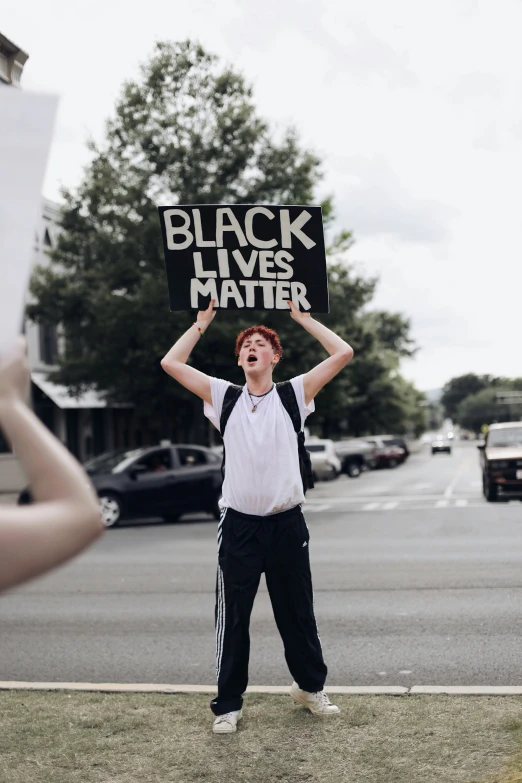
[227, 723]
[318, 703]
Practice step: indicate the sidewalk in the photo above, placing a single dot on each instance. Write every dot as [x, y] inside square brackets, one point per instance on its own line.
[332, 690]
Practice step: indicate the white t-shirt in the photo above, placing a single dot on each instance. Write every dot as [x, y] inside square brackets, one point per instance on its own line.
[262, 473]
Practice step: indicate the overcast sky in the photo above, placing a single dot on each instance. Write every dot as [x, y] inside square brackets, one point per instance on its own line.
[414, 107]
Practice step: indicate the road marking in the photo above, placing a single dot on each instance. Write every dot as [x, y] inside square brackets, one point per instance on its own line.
[368, 498]
[405, 507]
[316, 508]
[449, 489]
[376, 490]
[410, 503]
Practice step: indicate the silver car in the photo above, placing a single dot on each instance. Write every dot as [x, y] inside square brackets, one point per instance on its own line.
[441, 444]
[325, 462]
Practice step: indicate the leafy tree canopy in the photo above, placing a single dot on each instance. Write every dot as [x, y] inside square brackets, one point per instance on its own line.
[187, 131]
[457, 389]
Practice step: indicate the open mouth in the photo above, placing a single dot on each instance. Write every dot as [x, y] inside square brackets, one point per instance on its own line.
[252, 359]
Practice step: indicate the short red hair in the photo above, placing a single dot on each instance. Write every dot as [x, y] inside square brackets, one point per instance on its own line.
[269, 334]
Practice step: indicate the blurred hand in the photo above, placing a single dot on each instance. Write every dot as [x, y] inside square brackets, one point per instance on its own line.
[205, 317]
[296, 314]
[15, 375]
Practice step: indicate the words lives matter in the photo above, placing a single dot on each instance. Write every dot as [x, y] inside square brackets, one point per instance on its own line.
[245, 256]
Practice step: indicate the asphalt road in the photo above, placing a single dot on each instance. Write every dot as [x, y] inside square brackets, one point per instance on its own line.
[418, 581]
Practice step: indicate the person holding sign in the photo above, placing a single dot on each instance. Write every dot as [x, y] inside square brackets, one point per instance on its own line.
[66, 516]
[262, 527]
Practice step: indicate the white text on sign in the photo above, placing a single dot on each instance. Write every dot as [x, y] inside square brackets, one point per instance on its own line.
[273, 266]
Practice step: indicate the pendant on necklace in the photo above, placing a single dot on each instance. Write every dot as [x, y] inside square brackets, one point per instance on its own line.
[254, 409]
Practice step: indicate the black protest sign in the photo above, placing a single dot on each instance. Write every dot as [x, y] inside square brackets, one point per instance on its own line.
[245, 257]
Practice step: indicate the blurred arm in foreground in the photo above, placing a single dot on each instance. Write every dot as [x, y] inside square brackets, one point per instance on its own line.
[66, 515]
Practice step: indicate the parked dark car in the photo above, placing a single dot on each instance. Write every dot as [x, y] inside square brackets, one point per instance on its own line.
[356, 456]
[165, 481]
[396, 440]
[501, 460]
[388, 455]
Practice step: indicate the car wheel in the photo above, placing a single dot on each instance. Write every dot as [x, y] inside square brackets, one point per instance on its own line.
[111, 509]
[490, 491]
[392, 463]
[353, 470]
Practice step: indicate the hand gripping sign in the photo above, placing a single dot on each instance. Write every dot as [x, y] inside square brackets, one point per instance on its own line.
[245, 257]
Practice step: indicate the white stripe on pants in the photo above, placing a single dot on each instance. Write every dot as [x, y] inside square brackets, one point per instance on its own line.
[220, 599]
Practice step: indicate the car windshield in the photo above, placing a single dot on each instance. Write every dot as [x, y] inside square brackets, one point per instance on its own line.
[315, 446]
[111, 462]
[505, 437]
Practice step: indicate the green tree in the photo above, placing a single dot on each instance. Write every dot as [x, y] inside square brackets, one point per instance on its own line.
[463, 400]
[457, 389]
[478, 409]
[187, 131]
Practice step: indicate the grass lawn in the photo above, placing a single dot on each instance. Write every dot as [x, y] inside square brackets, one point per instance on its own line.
[64, 737]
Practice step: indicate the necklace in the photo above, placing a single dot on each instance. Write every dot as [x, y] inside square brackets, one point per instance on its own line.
[254, 409]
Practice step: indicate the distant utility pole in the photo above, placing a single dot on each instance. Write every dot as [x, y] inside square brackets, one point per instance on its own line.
[12, 61]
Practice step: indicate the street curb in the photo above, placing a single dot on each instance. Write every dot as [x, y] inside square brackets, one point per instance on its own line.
[370, 690]
[114, 687]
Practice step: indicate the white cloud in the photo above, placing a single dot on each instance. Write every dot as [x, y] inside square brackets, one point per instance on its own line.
[373, 199]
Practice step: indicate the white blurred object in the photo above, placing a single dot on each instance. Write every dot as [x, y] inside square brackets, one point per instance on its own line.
[325, 462]
[441, 443]
[25, 139]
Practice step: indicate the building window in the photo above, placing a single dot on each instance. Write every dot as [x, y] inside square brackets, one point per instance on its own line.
[48, 344]
[47, 239]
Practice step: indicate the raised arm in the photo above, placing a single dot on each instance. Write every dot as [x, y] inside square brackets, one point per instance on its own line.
[339, 350]
[66, 515]
[174, 362]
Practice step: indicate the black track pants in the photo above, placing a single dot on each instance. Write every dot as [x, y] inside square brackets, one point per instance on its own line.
[247, 546]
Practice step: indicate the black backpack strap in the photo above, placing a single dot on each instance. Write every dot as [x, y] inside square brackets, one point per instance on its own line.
[232, 395]
[287, 394]
[288, 398]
